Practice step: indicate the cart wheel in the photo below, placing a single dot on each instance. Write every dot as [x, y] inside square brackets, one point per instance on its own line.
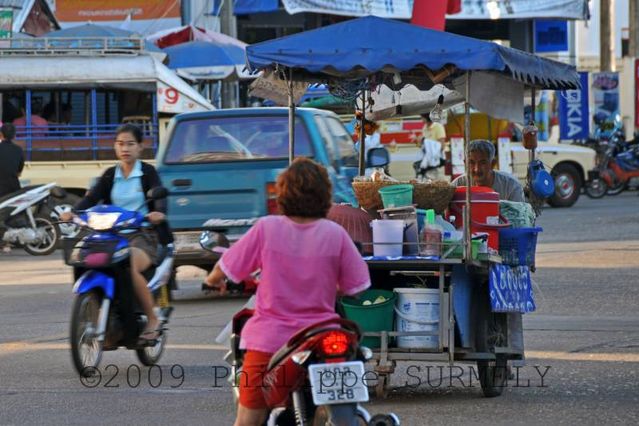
[381, 388]
[493, 376]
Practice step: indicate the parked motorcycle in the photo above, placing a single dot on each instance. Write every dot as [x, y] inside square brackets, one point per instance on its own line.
[616, 169]
[25, 219]
[317, 378]
[105, 314]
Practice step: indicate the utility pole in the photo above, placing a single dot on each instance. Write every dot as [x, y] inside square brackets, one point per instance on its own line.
[607, 35]
[228, 26]
[633, 24]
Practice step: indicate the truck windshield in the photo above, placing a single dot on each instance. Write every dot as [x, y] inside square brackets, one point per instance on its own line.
[247, 138]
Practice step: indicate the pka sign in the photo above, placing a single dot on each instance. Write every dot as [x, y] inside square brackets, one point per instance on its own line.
[573, 111]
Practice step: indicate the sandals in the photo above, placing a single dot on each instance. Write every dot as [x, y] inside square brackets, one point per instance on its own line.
[149, 337]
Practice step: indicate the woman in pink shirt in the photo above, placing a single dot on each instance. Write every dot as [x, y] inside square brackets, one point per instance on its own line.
[305, 262]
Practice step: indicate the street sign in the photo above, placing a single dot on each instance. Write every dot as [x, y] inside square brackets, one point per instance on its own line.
[551, 35]
[573, 111]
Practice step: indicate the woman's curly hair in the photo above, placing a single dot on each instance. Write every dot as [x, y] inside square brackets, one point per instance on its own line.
[304, 189]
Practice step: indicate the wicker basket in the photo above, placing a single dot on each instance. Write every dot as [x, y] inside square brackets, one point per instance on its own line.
[367, 193]
[435, 195]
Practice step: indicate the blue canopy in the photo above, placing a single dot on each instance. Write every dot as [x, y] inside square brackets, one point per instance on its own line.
[207, 60]
[93, 31]
[371, 46]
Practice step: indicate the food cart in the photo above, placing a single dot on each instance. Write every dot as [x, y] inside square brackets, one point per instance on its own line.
[356, 57]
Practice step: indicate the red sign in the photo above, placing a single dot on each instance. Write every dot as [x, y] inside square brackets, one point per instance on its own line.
[115, 10]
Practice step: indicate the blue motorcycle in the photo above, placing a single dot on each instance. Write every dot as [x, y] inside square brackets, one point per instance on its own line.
[106, 314]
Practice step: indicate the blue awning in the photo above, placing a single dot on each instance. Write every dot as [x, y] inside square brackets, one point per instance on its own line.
[245, 7]
[371, 46]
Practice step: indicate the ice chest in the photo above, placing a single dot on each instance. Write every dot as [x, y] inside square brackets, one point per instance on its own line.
[484, 212]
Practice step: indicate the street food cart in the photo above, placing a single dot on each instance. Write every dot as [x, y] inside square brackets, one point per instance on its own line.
[356, 57]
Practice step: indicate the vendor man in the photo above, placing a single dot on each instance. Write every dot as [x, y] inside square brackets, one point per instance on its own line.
[481, 162]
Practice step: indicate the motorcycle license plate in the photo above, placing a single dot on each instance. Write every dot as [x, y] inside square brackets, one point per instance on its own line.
[338, 383]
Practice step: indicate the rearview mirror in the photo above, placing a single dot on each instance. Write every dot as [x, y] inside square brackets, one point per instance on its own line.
[210, 240]
[157, 193]
[377, 157]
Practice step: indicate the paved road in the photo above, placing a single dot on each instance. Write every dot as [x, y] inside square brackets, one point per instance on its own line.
[583, 340]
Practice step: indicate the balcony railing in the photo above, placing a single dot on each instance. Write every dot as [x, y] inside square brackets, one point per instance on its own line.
[59, 142]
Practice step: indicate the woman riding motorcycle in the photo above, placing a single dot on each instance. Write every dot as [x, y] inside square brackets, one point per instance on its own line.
[305, 261]
[126, 185]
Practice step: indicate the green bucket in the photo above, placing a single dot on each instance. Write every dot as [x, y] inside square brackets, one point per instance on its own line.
[397, 195]
[377, 317]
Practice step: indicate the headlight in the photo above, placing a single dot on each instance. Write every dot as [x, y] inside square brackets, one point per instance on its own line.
[102, 221]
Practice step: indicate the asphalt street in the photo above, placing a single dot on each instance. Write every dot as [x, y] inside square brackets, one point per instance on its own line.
[582, 344]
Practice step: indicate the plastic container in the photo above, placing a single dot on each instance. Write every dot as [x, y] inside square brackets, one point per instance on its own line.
[458, 250]
[431, 237]
[517, 245]
[417, 309]
[374, 317]
[388, 236]
[421, 218]
[484, 212]
[397, 195]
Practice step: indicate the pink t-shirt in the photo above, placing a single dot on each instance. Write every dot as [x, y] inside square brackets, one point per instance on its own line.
[303, 267]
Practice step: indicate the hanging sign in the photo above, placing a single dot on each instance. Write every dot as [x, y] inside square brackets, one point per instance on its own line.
[573, 111]
[398, 9]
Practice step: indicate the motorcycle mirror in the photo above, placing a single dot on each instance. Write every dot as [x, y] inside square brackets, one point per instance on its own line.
[209, 240]
[58, 192]
[378, 157]
[157, 193]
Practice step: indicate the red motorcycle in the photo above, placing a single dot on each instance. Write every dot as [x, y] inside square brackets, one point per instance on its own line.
[317, 378]
[615, 171]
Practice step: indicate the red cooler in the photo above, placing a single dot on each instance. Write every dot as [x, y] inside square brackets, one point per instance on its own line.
[484, 212]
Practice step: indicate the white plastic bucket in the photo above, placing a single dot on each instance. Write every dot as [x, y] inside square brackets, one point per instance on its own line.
[391, 233]
[417, 309]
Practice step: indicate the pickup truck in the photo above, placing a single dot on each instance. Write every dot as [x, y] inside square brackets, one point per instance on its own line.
[220, 168]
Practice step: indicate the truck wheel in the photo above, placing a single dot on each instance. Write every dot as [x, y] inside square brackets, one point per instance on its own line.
[567, 186]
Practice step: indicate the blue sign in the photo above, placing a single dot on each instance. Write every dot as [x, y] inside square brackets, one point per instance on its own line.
[550, 35]
[510, 289]
[246, 7]
[573, 111]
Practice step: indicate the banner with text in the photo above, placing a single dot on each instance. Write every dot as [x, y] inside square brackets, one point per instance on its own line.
[522, 9]
[115, 10]
[574, 122]
[399, 9]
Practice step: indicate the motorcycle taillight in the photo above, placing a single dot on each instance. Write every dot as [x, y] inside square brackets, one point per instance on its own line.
[271, 199]
[335, 343]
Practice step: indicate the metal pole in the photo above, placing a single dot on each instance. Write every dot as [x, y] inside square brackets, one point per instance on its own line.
[467, 230]
[531, 152]
[362, 137]
[228, 26]
[94, 123]
[607, 35]
[291, 119]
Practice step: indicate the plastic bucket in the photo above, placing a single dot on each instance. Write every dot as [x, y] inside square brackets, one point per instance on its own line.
[397, 195]
[373, 317]
[417, 309]
[388, 236]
